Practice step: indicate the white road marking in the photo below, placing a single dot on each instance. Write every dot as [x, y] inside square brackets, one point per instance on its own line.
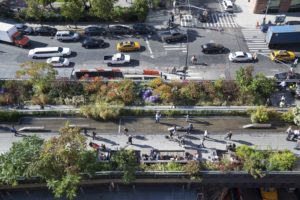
[150, 50]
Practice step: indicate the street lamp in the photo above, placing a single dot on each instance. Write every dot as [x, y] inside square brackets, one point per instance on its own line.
[264, 20]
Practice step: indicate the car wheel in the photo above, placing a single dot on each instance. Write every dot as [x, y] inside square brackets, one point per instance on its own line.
[34, 57]
[168, 41]
[184, 38]
[220, 51]
[86, 46]
[205, 51]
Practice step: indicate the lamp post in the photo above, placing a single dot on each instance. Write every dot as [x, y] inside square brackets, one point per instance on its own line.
[267, 8]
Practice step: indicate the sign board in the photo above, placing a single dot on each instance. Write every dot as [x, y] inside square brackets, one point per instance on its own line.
[280, 18]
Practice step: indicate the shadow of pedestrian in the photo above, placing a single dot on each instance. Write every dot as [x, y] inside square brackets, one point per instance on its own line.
[167, 124]
[109, 141]
[216, 140]
[142, 145]
[22, 135]
[140, 137]
[191, 137]
[197, 121]
[243, 142]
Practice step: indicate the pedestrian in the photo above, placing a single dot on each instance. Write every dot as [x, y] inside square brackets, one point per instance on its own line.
[172, 17]
[228, 135]
[14, 130]
[129, 140]
[125, 131]
[254, 57]
[268, 102]
[194, 59]
[205, 134]
[174, 129]
[187, 118]
[85, 131]
[282, 98]
[282, 104]
[190, 128]
[202, 142]
[283, 85]
[157, 117]
[94, 135]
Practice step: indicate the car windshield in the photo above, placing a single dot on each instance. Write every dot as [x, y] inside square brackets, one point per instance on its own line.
[60, 49]
[61, 59]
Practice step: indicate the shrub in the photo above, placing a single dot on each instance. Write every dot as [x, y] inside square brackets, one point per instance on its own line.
[288, 116]
[282, 161]
[260, 115]
[101, 110]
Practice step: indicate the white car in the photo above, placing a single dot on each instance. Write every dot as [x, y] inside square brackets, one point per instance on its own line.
[58, 61]
[66, 35]
[227, 5]
[47, 52]
[240, 56]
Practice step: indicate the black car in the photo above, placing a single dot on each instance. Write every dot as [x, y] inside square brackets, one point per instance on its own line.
[212, 48]
[94, 31]
[143, 29]
[45, 30]
[92, 42]
[24, 29]
[119, 29]
[292, 23]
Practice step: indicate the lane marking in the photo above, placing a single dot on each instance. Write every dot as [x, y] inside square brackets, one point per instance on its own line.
[149, 48]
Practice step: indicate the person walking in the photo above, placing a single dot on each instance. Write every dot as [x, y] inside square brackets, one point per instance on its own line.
[157, 117]
[194, 59]
[129, 140]
[85, 131]
[202, 142]
[228, 135]
[190, 128]
[187, 117]
[125, 131]
[94, 135]
[14, 130]
[205, 134]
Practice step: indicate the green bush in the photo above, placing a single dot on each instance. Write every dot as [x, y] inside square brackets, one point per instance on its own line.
[288, 116]
[260, 115]
[10, 116]
[282, 161]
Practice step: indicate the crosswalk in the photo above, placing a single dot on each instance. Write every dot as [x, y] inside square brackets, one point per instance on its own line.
[221, 20]
[255, 40]
[175, 47]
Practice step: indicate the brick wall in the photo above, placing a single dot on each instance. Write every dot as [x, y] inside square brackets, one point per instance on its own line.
[284, 5]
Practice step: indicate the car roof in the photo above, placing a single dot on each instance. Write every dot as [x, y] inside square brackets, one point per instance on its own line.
[63, 32]
[239, 53]
[46, 49]
[55, 58]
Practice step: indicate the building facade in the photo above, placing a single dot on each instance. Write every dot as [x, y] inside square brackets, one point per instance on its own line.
[275, 6]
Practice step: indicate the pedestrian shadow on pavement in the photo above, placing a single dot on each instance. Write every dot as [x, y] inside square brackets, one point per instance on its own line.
[140, 137]
[191, 137]
[197, 121]
[215, 140]
[167, 124]
[22, 135]
[243, 142]
[142, 145]
[107, 141]
[5, 128]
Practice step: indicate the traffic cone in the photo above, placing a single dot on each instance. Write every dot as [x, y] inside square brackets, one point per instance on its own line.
[257, 24]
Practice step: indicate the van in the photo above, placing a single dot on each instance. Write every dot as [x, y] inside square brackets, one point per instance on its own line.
[47, 52]
[227, 5]
[66, 35]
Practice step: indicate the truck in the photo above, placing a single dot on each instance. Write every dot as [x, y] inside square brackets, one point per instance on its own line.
[115, 59]
[279, 36]
[10, 34]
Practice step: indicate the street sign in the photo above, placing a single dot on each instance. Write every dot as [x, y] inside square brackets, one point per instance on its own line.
[280, 18]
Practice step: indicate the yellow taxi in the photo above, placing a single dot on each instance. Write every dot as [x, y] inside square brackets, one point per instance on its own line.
[128, 46]
[283, 56]
[269, 193]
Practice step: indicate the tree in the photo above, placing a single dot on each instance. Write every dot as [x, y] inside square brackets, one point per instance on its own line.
[296, 112]
[190, 93]
[33, 10]
[60, 161]
[262, 87]
[140, 8]
[126, 161]
[40, 75]
[282, 161]
[20, 158]
[102, 8]
[47, 2]
[244, 76]
[73, 10]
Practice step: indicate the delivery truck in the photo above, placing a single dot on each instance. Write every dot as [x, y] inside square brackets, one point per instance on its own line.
[279, 37]
[10, 34]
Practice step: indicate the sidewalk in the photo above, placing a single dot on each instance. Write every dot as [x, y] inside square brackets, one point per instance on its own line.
[247, 19]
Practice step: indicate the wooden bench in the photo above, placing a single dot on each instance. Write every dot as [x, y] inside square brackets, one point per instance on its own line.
[257, 125]
[32, 128]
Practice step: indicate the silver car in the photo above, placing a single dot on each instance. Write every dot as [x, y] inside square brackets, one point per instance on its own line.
[67, 36]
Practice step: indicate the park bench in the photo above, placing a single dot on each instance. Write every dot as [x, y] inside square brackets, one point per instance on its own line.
[256, 125]
[32, 128]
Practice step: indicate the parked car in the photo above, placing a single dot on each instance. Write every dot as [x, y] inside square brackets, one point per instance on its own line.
[283, 56]
[212, 48]
[143, 29]
[173, 35]
[94, 31]
[24, 29]
[67, 36]
[292, 23]
[227, 5]
[92, 42]
[128, 46]
[45, 30]
[47, 52]
[119, 29]
[58, 61]
[116, 59]
[240, 56]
